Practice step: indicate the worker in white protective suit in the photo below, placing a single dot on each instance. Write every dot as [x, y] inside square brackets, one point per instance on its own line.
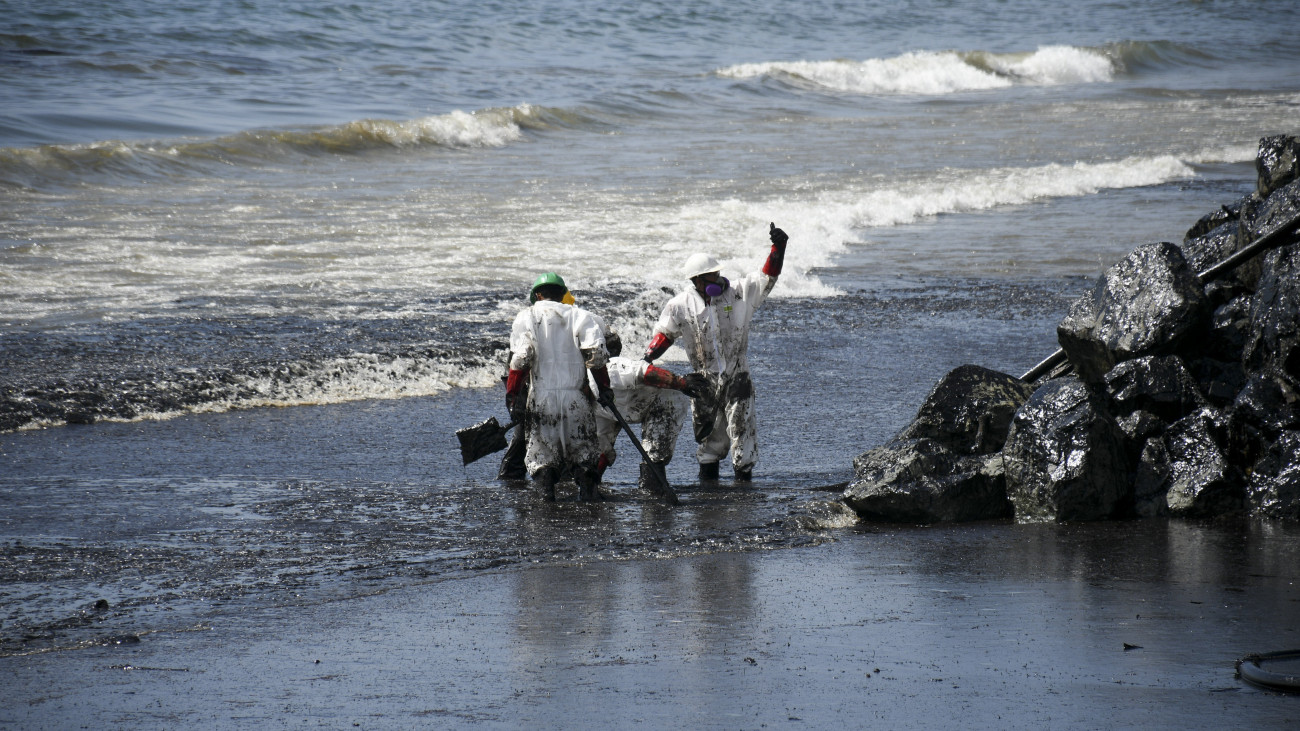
[710, 320]
[512, 461]
[655, 398]
[553, 346]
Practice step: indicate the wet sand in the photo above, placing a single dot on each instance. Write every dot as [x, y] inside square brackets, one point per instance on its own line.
[986, 626]
[336, 566]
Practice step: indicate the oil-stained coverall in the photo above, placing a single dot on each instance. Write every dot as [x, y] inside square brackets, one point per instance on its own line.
[555, 344]
[647, 395]
[714, 332]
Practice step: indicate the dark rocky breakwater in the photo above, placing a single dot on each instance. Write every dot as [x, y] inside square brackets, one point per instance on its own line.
[1176, 391]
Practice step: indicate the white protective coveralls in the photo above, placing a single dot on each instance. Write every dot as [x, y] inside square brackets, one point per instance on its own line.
[659, 411]
[715, 337]
[557, 343]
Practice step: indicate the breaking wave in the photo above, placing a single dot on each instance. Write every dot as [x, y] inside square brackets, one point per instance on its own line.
[949, 72]
[165, 395]
[828, 224]
[161, 368]
[37, 167]
[1013, 186]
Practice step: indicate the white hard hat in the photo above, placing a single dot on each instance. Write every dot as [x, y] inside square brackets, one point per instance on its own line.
[698, 264]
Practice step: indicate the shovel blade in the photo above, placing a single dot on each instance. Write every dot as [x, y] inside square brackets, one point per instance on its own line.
[480, 440]
[666, 491]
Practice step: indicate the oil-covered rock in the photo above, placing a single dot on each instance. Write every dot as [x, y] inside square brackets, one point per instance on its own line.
[970, 410]
[1274, 488]
[1200, 481]
[923, 481]
[1161, 385]
[1179, 394]
[1145, 305]
[945, 466]
[1277, 163]
[1066, 457]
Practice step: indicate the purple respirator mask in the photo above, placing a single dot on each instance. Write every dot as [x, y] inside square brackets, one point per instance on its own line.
[713, 289]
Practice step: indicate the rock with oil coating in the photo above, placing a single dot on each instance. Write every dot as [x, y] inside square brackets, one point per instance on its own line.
[1216, 219]
[1274, 213]
[1276, 164]
[1273, 338]
[1151, 480]
[1200, 481]
[1160, 385]
[1181, 390]
[1263, 410]
[1066, 457]
[970, 410]
[1274, 489]
[923, 481]
[1144, 305]
[1208, 249]
[1139, 426]
[1229, 327]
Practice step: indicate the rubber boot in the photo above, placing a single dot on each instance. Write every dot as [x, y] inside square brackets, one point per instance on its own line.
[587, 481]
[546, 480]
[708, 471]
[512, 463]
[745, 474]
[651, 475]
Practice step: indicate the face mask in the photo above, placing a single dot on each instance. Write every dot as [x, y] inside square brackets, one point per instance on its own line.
[716, 288]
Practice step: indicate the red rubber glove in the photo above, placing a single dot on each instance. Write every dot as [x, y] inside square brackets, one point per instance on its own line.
[658, 344]
[514, 390]
[663, 378]
[776, 259]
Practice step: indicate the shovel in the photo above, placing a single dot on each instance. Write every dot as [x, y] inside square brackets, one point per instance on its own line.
[669, 495]
[480, 440]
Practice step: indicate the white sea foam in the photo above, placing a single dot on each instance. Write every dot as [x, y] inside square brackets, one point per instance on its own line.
[911, 73]
[357, 377]
[594, 239]
[938, 72]
[649, 245]
[1228, 154]
[488, 128]
[824, 226]
[114, 159]
[366, 376]
[1051, 65]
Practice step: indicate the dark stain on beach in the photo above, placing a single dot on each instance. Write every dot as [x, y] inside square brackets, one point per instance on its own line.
[117, 530]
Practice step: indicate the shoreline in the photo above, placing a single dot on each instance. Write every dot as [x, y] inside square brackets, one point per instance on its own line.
[875, 626]
[247, 509]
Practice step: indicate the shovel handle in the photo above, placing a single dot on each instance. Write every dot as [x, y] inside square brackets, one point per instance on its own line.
[663, 481]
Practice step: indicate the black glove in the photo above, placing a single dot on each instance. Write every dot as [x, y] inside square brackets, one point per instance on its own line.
[606, 398]
[696, 385]
[778, 236]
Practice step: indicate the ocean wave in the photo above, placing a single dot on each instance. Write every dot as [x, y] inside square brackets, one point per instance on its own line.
[162, 368]
[38, 167]
[921, 73]
[936, 73]
[355, 377]
[962, 193]
[1227, 154]
[830, 223]
[1134, 56]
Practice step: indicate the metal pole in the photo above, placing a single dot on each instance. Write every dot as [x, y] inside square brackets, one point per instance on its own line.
[1256, 247]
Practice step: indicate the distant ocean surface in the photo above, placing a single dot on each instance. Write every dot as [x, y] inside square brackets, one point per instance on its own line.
[219, 204]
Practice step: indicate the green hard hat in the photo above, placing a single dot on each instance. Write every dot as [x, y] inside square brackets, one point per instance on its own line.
[545, 279]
